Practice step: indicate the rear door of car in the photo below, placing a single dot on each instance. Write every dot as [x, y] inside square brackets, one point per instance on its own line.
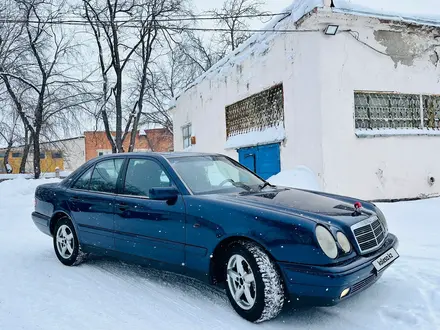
[91, 201]
[147, 228]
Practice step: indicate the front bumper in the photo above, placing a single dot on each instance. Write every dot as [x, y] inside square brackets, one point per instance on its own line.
[42, 222]
[323, 285]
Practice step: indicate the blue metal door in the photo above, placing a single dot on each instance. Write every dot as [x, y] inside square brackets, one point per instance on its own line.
[263, 160]
[247, 157]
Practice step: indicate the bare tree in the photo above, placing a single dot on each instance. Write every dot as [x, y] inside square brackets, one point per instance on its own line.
[11, 51]
[27, 143]
[193, 51]
[8, 132]
[232, 16]
[44, 90]
[125, 50]
[191, 56]
[184, 61]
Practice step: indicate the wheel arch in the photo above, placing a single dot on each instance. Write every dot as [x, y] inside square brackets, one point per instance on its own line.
[56, 217]
[216, 274]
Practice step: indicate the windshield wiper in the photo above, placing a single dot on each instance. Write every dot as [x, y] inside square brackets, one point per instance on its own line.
[241, 185]
[265, 184]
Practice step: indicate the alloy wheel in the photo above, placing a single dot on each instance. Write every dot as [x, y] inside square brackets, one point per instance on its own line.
[65, 242]
[241, 282]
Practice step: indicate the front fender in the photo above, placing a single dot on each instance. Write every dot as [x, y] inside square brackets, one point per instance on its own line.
[287, 238]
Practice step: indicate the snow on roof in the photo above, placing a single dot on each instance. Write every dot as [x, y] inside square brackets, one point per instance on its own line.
[422, 12]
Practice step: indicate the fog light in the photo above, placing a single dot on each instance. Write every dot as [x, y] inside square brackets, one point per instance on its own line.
[345, 292]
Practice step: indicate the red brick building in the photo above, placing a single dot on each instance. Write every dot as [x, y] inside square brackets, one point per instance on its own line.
[156, 140]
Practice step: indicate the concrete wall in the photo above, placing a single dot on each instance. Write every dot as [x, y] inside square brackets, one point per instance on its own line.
[291, 60]
[376, 167]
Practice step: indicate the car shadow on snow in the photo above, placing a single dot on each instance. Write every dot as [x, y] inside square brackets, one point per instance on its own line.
[292, 315]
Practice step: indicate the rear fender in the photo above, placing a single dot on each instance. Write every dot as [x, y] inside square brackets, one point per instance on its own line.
[59, 213]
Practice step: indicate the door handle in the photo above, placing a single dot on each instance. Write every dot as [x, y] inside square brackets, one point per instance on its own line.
[122, 206]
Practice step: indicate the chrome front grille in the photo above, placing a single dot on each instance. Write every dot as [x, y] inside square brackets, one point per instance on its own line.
[369, 234]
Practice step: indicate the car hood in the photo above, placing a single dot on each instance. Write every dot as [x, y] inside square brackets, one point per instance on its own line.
[301, 203]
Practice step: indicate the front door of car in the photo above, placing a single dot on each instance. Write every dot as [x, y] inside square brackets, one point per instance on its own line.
[91, 202]
[153, 229]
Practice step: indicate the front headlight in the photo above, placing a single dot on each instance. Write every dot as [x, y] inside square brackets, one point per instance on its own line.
[343, 242]
[382, 219]
[326, 242]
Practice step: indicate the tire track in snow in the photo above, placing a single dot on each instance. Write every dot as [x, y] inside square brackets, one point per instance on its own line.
[181, 295]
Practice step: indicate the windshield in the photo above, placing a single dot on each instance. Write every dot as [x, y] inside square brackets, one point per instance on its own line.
[213, 174]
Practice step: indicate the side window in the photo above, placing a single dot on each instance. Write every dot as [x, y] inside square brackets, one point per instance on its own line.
[142, 175]
[186, 134]
[83, 181]
[105, 175]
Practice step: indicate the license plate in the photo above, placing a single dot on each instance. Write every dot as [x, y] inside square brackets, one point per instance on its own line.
[385, 259]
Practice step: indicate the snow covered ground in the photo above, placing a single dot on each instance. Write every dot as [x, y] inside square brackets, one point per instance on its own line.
[38, 292]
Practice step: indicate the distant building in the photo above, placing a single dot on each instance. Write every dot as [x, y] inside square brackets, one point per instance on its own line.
[69, 154]
[66, 154]
[155, 140]
[345, 88]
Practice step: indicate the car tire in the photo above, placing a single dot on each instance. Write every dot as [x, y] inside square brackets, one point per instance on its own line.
[255, 289]
[66, 244]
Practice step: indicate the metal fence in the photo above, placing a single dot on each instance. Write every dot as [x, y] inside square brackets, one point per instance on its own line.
[393, 111]
[259, 111]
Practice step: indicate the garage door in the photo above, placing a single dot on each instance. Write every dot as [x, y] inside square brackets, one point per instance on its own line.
[263, 160]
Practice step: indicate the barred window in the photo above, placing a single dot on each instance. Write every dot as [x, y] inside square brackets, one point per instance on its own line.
[431, 111]
[395, 111]
[186, 132]
[257, 112]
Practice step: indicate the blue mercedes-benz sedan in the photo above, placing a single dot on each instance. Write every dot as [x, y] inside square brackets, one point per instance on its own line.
[208, 217]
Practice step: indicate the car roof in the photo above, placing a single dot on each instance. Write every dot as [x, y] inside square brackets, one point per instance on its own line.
[167, 155]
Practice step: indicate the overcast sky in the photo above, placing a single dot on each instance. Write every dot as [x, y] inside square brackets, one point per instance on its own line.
[271, 5]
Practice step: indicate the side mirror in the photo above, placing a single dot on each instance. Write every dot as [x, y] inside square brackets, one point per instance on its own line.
[164, 194]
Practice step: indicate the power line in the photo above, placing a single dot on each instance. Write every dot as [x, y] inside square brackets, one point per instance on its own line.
[129, 24]
[175, 18]
[241, 30]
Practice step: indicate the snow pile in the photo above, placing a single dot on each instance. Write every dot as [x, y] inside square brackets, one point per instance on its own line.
[300, 177]
[268, 135]
[410, 11]
[18, 190]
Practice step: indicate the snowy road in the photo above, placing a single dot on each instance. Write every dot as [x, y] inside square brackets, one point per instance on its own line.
[38, 292]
